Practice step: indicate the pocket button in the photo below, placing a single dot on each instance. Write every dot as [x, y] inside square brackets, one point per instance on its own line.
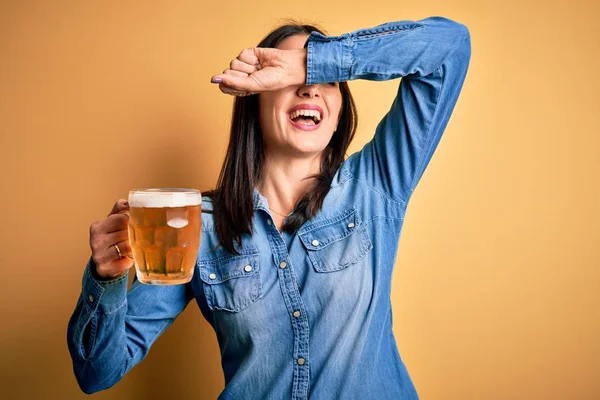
[315, 243]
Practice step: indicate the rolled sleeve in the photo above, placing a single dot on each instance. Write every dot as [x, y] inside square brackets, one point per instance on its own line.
[329, 58]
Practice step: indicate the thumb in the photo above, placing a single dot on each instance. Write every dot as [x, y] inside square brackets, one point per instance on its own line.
[121, 207]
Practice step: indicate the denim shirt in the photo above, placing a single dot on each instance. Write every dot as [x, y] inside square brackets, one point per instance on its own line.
[306, 314]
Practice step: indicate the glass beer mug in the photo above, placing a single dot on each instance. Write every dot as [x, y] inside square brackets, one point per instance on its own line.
[164, 233]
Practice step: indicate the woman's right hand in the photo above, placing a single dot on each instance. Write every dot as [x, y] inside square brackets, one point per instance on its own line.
[107, 233]
[259, 69]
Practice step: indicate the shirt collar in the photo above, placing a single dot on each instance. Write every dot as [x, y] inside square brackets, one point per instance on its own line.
[260, 202]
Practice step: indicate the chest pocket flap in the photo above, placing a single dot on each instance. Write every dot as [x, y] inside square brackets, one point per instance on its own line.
[336, 243]
[231, 283]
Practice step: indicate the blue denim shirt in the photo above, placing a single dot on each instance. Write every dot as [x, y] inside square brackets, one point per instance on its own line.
[311, 315]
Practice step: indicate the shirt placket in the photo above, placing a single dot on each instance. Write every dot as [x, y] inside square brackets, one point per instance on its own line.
[296, 312]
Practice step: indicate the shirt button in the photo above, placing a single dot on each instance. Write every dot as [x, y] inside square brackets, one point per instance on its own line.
[248, 268]
[212, 276]
[351, 225]
[91, 298]
[301, 361]
[269, 222]
[282, 265]
[315, 243]
[296, 314]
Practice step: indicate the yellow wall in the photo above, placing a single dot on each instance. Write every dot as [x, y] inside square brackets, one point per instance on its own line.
[495, 293]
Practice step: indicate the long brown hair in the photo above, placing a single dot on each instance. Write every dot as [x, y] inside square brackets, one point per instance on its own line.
[232, 199]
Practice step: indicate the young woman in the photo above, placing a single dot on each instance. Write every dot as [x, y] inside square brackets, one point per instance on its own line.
[298, 243]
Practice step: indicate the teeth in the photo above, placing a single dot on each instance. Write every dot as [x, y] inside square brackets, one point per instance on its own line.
[306, 113]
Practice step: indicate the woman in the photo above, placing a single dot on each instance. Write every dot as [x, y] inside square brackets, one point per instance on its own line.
[298, 247]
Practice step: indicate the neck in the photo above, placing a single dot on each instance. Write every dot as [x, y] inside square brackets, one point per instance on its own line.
[284, 180]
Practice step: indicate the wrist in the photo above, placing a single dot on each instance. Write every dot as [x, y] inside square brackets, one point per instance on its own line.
[300, 73]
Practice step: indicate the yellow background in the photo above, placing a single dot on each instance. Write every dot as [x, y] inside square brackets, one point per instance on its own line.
[496, 289]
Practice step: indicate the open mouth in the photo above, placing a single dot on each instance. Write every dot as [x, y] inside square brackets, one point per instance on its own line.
[306, 117]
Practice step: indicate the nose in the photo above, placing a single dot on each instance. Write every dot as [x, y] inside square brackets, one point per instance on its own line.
[309, 91]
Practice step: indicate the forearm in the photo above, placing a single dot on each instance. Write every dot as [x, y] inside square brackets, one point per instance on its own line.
[112, 330]
[387, 51]
[96, 334]
[432, 56]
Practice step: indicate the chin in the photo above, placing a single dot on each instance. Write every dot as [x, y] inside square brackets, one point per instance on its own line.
[309, 149]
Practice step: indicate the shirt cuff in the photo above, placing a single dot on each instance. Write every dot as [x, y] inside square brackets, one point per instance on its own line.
[106, 295]
[328, 58]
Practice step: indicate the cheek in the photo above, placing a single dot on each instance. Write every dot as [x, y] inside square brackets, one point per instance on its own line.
[335, 118]
[269, 103]
[336, 105]
[265, 112]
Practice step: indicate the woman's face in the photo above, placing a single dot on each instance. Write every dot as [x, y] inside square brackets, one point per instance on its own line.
[299, 120]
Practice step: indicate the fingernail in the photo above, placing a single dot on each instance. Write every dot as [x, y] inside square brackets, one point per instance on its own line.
[216, 80]
[126, 204]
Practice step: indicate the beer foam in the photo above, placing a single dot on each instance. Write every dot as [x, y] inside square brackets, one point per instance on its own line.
[160, 198]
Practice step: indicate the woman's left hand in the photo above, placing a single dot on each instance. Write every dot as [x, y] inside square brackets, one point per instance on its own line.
[259, 69]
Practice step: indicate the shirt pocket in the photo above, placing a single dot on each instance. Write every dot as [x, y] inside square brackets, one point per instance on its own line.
[336, 243]
[231, 283]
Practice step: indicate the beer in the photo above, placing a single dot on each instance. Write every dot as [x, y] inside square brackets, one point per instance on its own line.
[164, 233]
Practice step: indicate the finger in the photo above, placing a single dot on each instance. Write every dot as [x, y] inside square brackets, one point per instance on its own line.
[110, 253]
[115, 222]
[114, 268]
[248, 56]
[119, 238]
[237, 65]
[124, 248]
[234, 92]
[119, 206]
[236, 82]
[121, 265]
[102, 244]
[233, 72]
